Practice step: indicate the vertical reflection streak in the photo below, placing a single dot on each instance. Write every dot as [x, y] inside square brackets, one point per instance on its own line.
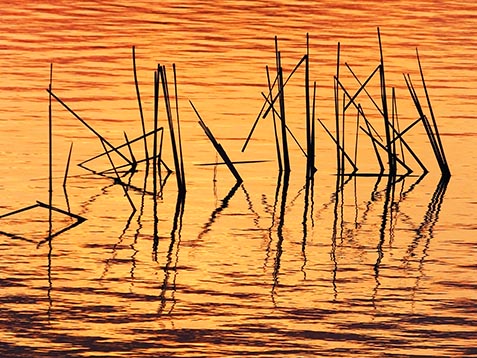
[174, 244]
[273, 217]
[256, 215]
[281, 223]
[213, 216]
[382, 234]
[431, 217]
[308, 185]
[115, 247]
[338, 193]
[50, 281]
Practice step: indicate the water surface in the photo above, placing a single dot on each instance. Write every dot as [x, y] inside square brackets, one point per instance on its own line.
[270, 267]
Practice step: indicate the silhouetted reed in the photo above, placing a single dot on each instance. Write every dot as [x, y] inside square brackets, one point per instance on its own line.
[393, 136]
[339, 148]
[104, 140]
[220, 150]
[68, 164]
[119, 181]
[176, 143]
[310, 123]
[79, 219]
[391, 154]
[431, 130]
[282, 130]
[50, 153]
[132, 164]
[49, 206]
[138, 95]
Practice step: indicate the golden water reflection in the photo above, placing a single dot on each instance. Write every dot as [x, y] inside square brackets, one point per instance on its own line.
[271, 266]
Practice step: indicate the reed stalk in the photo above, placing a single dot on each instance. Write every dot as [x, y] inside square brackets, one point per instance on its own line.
[338, 146]
[128, 144]
[391, 155]
[275, 129]
[313, 130]
[337, 119]
[154, 143]
[310, 163]
[442, 157]
[373, 141]
[154, 160]
[181, 158]
[133, 158]
[249, 136]
[119, 178]
[67, 165]
[217, 146]
[175, 153]
[279, 93]
[286, 157]
[102, 139]
[138, 95]
[395, 125]
[287, 129]
[424, 119]
[386, 149]
[362, 87]
[50, 155]
[343, 123]
[356, 138]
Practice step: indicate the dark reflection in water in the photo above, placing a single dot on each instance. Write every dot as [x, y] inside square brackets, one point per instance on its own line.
[50, 281]
[284, 179]
[426, 229]
[223, 205]
[117, 245]
[386, 217]
[308, 208]
[172, 254]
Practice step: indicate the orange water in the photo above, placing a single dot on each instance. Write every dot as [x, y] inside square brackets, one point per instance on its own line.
[257, 270]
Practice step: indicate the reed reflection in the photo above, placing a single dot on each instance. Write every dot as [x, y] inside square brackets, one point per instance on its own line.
[273, 214]
[284, 179]
[308, 207]
[172, 257]
[386, 217]
[117, 245]
[425, 231]
[224, 203]
[390, 199]
[337, 227]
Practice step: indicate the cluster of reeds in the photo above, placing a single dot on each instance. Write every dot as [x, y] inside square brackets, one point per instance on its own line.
[124, 152]
[389, 147]
[274, 104]
[49, 206]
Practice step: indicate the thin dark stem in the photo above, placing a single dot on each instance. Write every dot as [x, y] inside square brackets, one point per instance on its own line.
[138, 95]
[102, 139]
[217, 146]
[67, 164]
[442, 158]
[275, 130]
[391, 155]
[181, 158]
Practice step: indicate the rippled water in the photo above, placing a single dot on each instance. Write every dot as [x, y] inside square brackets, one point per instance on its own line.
[271, 267]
